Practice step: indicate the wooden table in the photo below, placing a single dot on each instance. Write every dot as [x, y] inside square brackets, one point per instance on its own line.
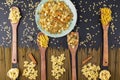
[5, 61]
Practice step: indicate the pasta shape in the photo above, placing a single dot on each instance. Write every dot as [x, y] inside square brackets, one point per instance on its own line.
[57, 69]
[55, 16]
[104, 75]
[14, 15]
[105, 16]
[13, 73]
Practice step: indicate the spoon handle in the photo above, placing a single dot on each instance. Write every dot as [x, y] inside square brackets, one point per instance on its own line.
[74, 66]
[14, 43]
[105, 49]
[43, 64]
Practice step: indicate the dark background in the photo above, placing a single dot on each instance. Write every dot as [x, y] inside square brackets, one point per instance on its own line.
[88, 24]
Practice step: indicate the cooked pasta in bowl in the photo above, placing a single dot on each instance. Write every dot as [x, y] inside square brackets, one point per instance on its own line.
[55, 18]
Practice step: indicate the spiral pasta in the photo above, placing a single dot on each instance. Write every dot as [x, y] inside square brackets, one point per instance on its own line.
[13, 73]
[105, 16]
[43, 40]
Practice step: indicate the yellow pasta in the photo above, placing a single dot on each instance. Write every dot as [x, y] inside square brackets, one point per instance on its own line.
[72, 39]
[55, 16]
[90, 71]
[57, 69]
[13, 73]
[104, 75]
[29, 70]
[43, 40]
[14, 15]
[105, 16]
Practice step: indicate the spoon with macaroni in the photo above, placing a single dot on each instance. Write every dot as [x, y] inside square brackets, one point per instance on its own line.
[14, 17]
[73, 39]
[42, 42]
[105, 20]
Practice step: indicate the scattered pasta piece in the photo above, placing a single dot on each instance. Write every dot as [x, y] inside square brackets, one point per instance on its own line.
[55, 16]
[29, 70]
[43, 40]
[13, 73]
[57, 69]
[14, 15]
[104, 75]
[9, 2]
[105, 16]
[72, 39]
[90, 71]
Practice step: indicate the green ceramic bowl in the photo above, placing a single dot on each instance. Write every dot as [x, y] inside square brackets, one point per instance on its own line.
[63, 33]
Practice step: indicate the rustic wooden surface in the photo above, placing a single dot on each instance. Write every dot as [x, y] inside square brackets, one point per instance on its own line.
[5, 61]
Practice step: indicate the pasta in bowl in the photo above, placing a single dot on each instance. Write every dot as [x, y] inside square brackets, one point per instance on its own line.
[55, 18]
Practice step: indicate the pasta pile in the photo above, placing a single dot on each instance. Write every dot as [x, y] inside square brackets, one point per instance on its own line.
[29, 70]
[72, 39]
[9, 2]
[14, 15]
[57, 63]
[55, 16]
[43, 40]
[90, 71]
[105, 16]
[13, 73]
[104, 75]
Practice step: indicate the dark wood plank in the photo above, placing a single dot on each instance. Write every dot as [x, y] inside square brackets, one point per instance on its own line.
[36, 55]
[8, 61]
[117, 67]
[111, 67]
[2, 64]
[21, 59]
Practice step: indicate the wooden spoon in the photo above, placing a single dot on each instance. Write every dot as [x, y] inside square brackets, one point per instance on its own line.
[105, 45]
[14, 43]
[73, 53]
[43, 60]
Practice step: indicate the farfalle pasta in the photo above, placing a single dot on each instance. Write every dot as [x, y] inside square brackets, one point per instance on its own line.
[29, 71]
[90, 71]
[57, 66]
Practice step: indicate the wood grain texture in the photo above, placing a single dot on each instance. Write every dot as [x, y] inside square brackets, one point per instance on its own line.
[5, 61]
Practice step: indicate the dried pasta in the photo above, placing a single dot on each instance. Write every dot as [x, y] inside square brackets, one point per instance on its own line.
[57, 63]
[55, 16]
[29, 70]
[104, 75]
[13, 73]
[72, 39]
[14, 15]
[90, 71]
[43, 40]
[105, 16]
